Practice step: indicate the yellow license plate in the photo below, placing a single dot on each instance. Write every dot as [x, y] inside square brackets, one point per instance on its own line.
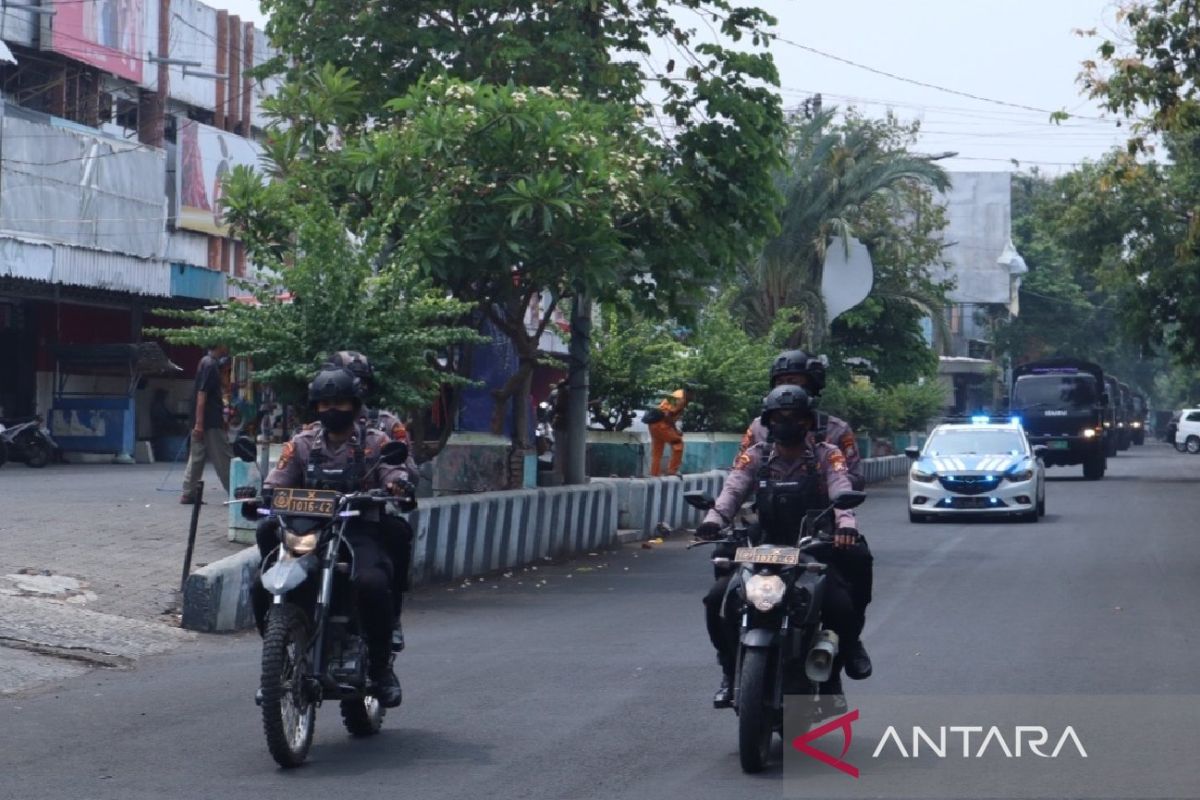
[304, 502]
[788, 556]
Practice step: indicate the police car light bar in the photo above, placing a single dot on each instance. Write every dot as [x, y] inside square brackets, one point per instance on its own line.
[982, 419]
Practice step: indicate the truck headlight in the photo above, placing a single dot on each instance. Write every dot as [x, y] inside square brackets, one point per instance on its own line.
[921, 476]
[1089, 433]
[765, 591]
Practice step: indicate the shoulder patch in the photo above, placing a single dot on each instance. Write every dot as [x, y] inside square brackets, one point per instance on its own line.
[742, 461]
[837, 461]
[847, 442]
[747, 439]
[285, 458]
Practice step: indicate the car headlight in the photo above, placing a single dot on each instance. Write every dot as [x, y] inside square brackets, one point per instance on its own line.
[1137, 424]
[765, 591]
[300, 544]
[1019, 475]
[921, 476]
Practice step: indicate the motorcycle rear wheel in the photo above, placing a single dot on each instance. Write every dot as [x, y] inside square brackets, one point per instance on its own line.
[364, 716]
[288, 718]
[754, 718]
[37, 453]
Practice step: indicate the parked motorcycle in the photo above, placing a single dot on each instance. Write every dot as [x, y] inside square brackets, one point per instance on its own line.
[783, 648]
[27, 440]
[314, 648]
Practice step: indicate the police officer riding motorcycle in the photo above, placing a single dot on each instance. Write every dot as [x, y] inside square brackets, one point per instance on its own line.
[398, 534]
[341, 453]
[791, 475]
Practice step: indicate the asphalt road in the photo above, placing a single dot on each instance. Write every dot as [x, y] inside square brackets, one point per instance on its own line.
[596, 683]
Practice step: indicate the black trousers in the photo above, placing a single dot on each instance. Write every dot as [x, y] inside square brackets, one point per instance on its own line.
[847, 594]
[374, 578]
[398, 542]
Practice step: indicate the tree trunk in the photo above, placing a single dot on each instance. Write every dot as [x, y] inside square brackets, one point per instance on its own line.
[575, 468]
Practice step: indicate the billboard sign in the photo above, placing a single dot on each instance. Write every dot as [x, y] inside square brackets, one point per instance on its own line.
[206, 156]
[108, 34]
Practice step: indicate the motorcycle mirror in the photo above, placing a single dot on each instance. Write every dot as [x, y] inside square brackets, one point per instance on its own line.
[245, 449]
[848, 500]
[699, 500]
[394, 454]
[912, 453]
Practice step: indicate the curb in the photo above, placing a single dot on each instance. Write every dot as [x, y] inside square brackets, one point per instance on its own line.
[216, 597]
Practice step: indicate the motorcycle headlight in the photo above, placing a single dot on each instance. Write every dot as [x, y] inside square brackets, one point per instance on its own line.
[921, 476]
[765, 591]
[299, 544]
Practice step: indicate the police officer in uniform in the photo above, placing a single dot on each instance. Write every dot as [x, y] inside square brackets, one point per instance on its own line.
[798, 368]
[814, 471]
[340, 453]
[398, 533]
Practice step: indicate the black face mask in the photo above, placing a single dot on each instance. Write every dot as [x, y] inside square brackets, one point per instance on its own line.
[788, 431]
[336, 419]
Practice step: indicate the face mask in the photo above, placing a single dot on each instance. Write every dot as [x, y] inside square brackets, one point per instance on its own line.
[788, 431]
[336, 420]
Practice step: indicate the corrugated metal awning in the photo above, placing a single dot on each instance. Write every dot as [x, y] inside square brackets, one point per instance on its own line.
[99, 269]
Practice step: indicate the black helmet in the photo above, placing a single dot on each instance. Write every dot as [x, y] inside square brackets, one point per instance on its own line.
[798, 362]
[335, 383]
[356, 363]
[785, 398]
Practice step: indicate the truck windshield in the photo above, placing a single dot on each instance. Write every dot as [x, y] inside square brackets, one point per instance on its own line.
[1054, 391]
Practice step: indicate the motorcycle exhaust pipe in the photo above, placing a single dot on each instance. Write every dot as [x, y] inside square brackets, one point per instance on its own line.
[818, 666]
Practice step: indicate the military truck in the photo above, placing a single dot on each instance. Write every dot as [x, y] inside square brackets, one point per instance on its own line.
[1063, 404]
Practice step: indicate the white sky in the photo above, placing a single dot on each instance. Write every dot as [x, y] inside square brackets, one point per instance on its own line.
[1018, 51]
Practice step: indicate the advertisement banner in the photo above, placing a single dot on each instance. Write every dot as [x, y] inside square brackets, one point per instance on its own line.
[108, 34]
[206, 156]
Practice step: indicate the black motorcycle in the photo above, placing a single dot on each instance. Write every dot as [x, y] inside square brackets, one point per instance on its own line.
[314, 648]
[783, 649]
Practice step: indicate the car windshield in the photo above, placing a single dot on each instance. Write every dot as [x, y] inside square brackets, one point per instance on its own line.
[1054, 391]
[965, 443]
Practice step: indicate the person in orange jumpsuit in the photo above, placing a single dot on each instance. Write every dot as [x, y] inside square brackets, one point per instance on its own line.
[664, 430]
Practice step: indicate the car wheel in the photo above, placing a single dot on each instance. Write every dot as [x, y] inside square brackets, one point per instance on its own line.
[1180, 446]
[1193, 444]
[913, 516]
[1041, 506]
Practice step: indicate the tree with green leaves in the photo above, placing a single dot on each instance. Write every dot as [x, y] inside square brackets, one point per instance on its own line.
[324, 290]
[633, 358]
[839, 177]
[1148, 72]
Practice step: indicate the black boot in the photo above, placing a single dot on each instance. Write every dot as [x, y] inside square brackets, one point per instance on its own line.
[858, 663]
[386, 686]
[724, 696]
[397, 635]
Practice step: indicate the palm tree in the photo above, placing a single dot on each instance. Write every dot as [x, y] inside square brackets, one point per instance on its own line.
[833, 172]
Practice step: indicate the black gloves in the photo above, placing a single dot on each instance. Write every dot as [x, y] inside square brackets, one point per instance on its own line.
[708, 531]
[249, 508]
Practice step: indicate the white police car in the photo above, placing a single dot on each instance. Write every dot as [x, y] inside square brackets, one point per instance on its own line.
[983, 467]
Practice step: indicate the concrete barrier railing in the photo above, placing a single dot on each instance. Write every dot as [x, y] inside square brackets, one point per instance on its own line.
[468, 535]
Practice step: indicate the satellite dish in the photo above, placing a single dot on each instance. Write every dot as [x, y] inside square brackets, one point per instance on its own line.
[847, 278]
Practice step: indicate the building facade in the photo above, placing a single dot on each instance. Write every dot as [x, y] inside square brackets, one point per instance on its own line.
[118, 121]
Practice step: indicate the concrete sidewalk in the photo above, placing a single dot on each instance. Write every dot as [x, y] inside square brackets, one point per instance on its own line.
[108, 527]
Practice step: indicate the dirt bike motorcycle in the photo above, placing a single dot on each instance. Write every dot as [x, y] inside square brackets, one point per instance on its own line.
[783, 647]
[314, 649]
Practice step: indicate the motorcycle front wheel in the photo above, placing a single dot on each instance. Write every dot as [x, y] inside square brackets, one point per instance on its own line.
[754, 718]
[288, 716]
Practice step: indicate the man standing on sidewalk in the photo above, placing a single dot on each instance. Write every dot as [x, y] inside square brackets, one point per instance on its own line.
[209, 442]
